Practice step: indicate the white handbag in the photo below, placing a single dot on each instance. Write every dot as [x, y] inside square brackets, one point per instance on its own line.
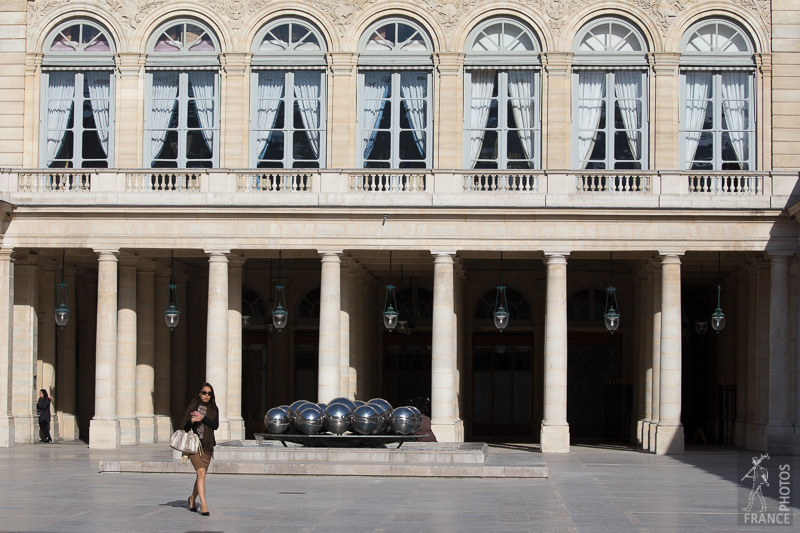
[186, 442]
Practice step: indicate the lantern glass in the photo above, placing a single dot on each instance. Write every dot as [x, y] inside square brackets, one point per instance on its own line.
[62, 309]
[500, 313]
[172, 315]
[718, 320]
[611, 316]
[390, 318]
[280, 316]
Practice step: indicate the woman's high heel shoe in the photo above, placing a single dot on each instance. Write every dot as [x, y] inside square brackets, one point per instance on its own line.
[189, 501]
[207, 513]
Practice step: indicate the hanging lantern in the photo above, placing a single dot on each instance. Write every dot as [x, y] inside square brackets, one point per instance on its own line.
[172, 315]
[62, 308]
[611, 315]
[280, 316]
[718, 317]
[390, 302]
[500, 312]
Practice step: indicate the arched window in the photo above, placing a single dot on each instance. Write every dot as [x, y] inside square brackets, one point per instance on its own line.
[395, 96]
[502, 118]
[287, 126]
[609, 97]
[519, 309]
[254, 306]
[78, 97]
[717, 122]
[308, 307]
[182, 117]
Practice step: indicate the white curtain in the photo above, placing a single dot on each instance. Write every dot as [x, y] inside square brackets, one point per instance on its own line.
[376, 89]
[480, 106]
[520, 89]
[307, 93]
[270, 92]
[164, 94]
[60, 96]
[99, 84]
[734, 105]
[627, 86]
[412, 90]
[697, 87]
[202, 83]
[591, 87]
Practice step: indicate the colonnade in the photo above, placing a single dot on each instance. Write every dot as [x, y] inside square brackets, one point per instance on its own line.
[136, 360]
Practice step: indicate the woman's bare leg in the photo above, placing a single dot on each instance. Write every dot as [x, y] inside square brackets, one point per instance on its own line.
[200, 488]
[194, 495]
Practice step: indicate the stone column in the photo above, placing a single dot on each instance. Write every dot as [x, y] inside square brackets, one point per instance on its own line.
[449, 96]
[780, 433]
[640, 381]
[664, 93]
[24, 390]
[342, 116]
[555, 429]
[556, 105]
[145, 354]
[345, 288]
[235, 104]
[669, 433]
[647, 325]
[655, 387]
[235, 347]
[6, 345]
[742, 376]
[217, 336]
[357, 358]
[762, 354]
[445, 423]
[126, 352]
[162, 357]
[130, 118]
[104, 430]
[751, 309]
[67, 368]
[330, 329]
[47, 375]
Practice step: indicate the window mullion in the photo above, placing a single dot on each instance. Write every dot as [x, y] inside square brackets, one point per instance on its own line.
[716, 99]
[502, 120]
[288, 120]
[394, 157]
[77, 122]
[608, 103]
[183, 109]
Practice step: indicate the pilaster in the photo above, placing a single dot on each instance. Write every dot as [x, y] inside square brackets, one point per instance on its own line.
[145, 352]
[449, 111]
[556, 103]
[24, 390]
[6, 345]
[342, 109]
[127, 351]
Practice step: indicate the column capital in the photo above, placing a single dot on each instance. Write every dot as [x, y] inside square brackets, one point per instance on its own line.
[217, 251]
[779, 254]
[130, 64]
[107, 253]
[342, 63]
[449, 63]
[557, 64]
[555, 257]
[6, 253]
[664, 63]
[671, 253]
[236, 63]
[330, 253]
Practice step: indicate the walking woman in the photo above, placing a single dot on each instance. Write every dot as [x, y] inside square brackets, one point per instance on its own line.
[43, 410]
[202, 417]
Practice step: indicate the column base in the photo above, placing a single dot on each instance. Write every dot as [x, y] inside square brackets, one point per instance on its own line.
[147, 429]
[643, 433]
[780, 439]
[452, 432]
[6, 432]
[237, 428]
[163, 428]
[651, 437]
[68, 427]
[554, 439]
[224, 432]
[104, 434]
[26, 429]
[669, 439]
[128, 431]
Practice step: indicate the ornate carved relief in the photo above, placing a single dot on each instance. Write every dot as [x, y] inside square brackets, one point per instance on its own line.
[344, 12]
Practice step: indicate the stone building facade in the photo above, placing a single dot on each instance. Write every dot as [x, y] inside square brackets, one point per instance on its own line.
[232, 156]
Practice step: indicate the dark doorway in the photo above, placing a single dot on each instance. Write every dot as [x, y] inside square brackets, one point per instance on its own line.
[406, 368]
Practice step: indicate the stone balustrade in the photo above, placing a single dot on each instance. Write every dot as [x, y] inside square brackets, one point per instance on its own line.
[412, 187]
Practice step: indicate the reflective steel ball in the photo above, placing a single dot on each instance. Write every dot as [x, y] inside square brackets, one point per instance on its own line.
[417, 418]
[295, 406]
[277, 420]
[346, 401]
[403, 421]
[308, 419]
[337, 418]
[366, 419]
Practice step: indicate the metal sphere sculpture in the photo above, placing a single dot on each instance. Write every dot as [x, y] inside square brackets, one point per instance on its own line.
[403, 421]
[277, 420]
[295, 406]
[366, 419]
[337, 418]
[309, 419]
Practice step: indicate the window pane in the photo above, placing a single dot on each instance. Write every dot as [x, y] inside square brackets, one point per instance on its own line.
[306, 111]
[626, 143]
[412, 145]
[198, 144]
[735, 146]
[92, 148]
[94, 40]
[301, 148]
[169, 149]
[198, 40]
[274, 149]
[705, 147]
[382, 148]
[383, 39]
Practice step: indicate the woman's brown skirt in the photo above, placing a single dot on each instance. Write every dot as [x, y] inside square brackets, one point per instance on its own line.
[200, 460]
